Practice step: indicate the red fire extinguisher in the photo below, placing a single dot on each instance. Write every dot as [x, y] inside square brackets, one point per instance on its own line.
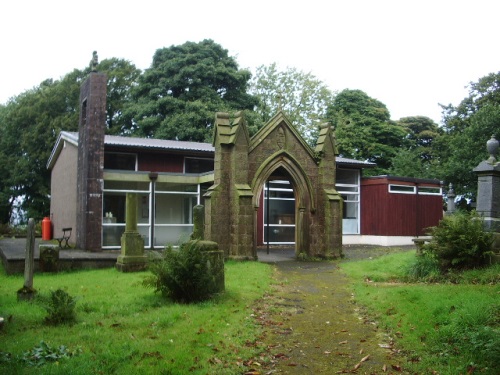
[46, 229]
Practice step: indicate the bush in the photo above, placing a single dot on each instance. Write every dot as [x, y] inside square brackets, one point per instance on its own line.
[460, 242]
[60, 307]
[184, 275]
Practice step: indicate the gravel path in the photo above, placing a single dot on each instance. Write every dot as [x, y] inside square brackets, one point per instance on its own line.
[313, 326]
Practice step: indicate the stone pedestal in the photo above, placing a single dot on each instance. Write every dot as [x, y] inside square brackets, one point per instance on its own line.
[132, 256]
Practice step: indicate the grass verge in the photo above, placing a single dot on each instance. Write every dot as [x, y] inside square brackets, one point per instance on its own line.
[124, 328]
[451, 327]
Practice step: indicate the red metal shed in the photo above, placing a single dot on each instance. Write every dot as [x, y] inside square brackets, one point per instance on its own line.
[399, 206]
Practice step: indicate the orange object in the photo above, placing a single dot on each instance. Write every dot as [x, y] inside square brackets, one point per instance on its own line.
[46, 229]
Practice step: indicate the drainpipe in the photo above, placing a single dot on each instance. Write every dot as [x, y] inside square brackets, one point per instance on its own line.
[153, 176]
[267, 216]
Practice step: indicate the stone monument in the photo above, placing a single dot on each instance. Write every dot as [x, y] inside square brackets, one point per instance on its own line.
[132, 256]
[488, 192]
[27, 292]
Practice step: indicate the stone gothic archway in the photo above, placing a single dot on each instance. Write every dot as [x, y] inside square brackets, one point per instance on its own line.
[243, 165]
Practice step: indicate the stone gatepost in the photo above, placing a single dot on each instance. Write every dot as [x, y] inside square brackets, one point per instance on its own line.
[488, 192]
[330, 209]
[132, 256]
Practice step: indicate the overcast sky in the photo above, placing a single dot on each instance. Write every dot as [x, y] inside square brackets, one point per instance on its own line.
[410, 55]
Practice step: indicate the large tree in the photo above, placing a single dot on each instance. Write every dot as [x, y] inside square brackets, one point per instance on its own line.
[364, 129]
[302, 97]
[122, 77]
[30, 124]
[416, 157]
[178, 96]
[467, 128]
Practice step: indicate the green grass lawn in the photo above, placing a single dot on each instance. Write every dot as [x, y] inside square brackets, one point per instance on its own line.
[444, 327]
[124, 328]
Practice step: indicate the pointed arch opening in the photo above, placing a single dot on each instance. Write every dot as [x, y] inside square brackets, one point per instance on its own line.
[284, 180]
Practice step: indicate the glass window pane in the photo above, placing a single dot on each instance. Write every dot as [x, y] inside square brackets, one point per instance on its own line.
[127, 185]
[404, 189]
[114, 208]
[280, 212]
[193, 165]
[174, 208]
[280, 234]
[167, 186]
[429, 190]
[172, 235]
[347, 176]
[120, 161]
[112, 234]
[341, 189]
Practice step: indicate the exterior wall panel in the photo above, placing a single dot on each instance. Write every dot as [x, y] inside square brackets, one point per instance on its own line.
[397, 214]
[161, 163]
[63, 191]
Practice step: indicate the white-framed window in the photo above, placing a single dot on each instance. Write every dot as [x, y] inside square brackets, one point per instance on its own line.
[170, 222]
[402, 189]
[411, 189]
[430, 190]
[347, 185]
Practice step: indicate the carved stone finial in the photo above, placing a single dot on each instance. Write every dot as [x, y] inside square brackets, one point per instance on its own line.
[94, 62]
[450, 190]
[280, 97]
[492, 147]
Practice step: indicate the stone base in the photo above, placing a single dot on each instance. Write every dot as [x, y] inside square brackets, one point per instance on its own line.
[26, 294]
[132, 258]
[131, 263]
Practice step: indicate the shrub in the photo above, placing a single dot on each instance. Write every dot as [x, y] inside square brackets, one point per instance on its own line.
[460, 241]
[60, 308]
[184, 275]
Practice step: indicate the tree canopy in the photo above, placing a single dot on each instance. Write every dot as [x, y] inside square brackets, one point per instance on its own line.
[416, 157]
[178, 96]
[467, 128]
[364, 129]
[30, 124]
[301, 96]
